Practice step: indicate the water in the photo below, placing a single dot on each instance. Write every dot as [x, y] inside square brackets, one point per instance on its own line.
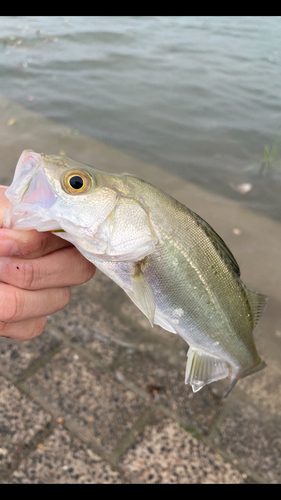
[199, 96]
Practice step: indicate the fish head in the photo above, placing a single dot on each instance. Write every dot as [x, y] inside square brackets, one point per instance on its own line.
[79, 203]
[55, 193]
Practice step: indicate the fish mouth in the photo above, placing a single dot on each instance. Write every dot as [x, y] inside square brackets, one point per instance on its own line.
[31, 196]
[24, 219]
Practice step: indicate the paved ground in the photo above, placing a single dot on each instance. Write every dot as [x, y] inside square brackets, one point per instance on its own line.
[99, 397]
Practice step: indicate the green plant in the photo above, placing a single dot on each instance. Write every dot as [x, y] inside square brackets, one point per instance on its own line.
[271, 157]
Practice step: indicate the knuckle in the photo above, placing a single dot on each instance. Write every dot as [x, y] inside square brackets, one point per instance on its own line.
[43, 243]
[13, 306]
[3, 327]
[35, 245]
[85, 269]
[28, 275]
[26, 242]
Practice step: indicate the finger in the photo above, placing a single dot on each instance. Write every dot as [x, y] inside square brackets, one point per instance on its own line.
[65, 267]
[29, 244]
[19, 305]
[23, 330]
[4, 202]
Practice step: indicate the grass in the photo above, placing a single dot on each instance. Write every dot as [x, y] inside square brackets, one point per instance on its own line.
[271, 157]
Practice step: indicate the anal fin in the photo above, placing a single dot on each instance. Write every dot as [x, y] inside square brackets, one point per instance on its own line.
[143, 293]
[203, 368]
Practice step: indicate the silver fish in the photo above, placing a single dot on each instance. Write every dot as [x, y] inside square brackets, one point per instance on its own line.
[168, 260]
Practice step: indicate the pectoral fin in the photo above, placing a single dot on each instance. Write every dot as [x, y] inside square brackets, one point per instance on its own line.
[143, 293]
[203, 368]
[162, 321]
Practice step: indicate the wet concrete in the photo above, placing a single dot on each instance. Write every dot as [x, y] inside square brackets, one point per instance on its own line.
[100, 397]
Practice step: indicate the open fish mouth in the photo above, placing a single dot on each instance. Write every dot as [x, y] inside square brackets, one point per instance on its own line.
[31, 196]
[27, 220]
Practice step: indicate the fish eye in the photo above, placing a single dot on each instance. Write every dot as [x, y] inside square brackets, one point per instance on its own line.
[77, 182]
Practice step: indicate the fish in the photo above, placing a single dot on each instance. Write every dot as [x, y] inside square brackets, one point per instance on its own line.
[169, 261]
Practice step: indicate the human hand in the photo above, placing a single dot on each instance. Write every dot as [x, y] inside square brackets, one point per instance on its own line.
[36, 272]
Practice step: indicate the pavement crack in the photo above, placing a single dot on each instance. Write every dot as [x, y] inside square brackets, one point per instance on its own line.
[39, 363]
[130, 437]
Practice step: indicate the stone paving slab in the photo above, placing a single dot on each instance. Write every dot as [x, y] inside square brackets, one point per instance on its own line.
[104, 408]
[264, 388]
[156, 362]
[16, 357]
[162, 372]
[167, 454]
[252, 439]
[20, 421]
[64, 459]
[94, 313]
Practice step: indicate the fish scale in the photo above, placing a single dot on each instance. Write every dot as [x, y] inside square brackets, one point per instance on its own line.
[214, 272]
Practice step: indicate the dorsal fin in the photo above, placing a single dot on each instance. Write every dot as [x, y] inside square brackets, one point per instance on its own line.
[257, 303]
[218, 241]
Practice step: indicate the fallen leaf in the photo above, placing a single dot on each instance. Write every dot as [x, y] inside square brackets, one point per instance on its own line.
[11, 122]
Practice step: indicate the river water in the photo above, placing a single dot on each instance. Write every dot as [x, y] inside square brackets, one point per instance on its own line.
[199, 96]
